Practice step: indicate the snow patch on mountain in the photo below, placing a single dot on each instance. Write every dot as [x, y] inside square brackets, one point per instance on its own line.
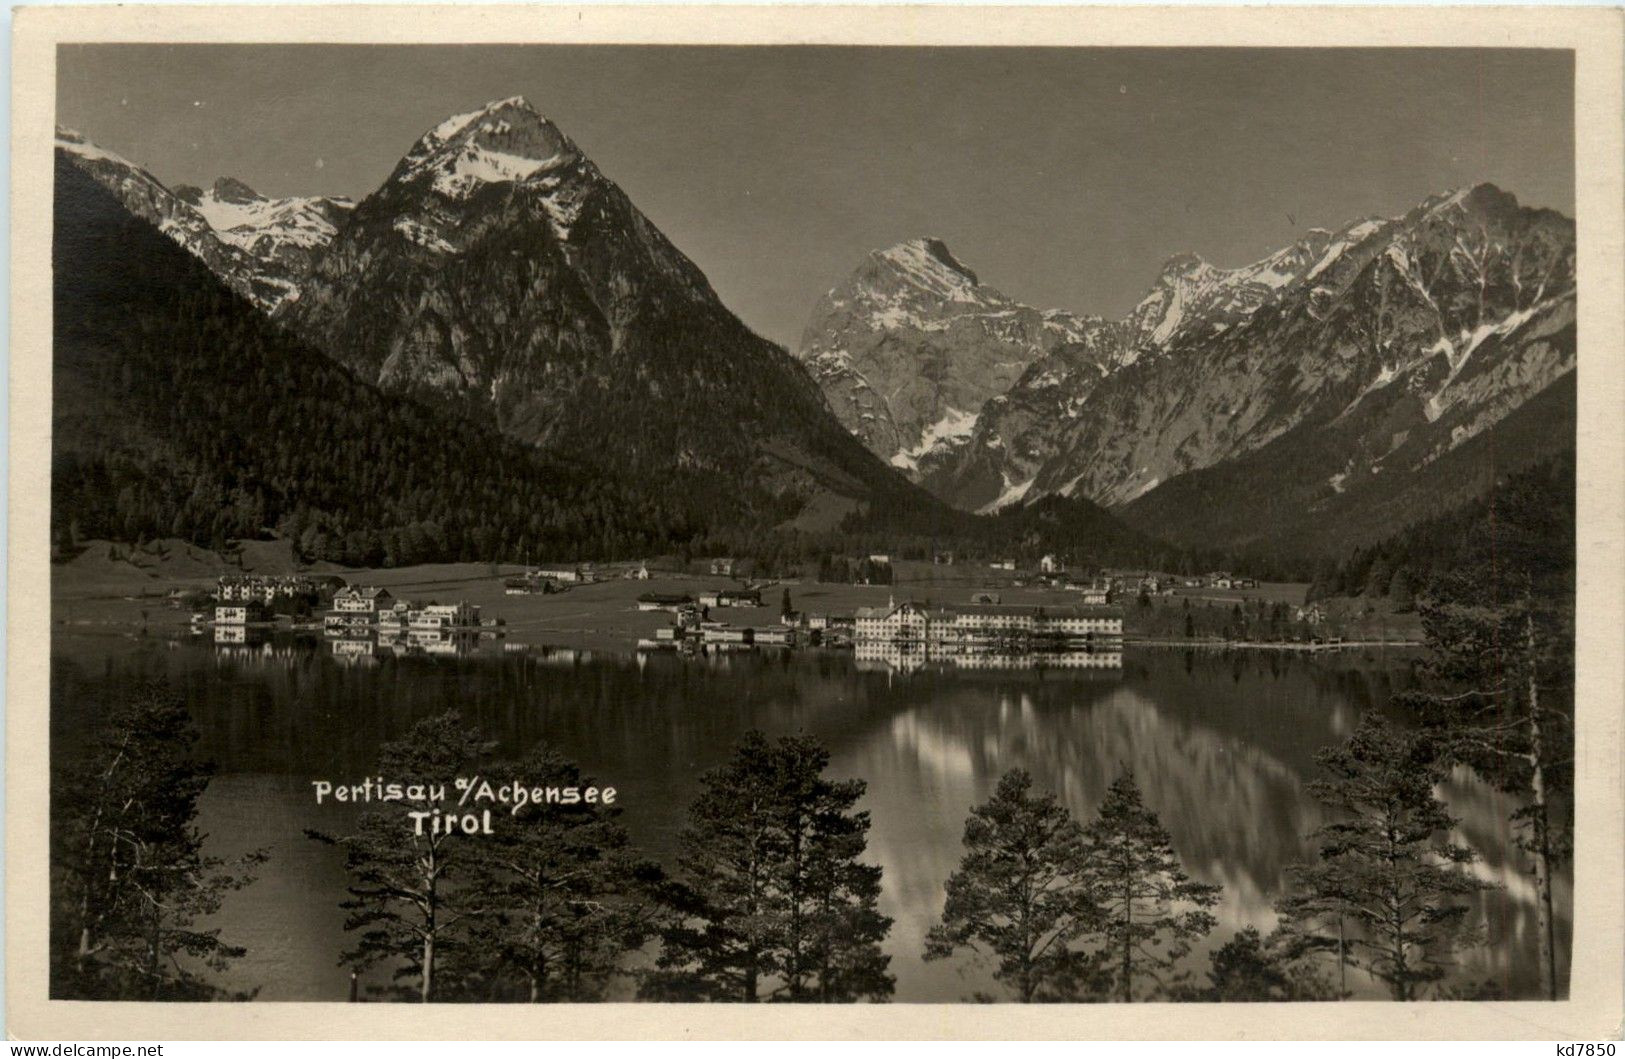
[503, 142]
[1343, 241]
[927, 263]
[75, 143]
[259, 269]
[264, 226]
[444, 132]
[954, 428]
[474, 166]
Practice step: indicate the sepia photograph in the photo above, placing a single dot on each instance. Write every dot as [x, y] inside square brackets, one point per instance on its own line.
[673, 523]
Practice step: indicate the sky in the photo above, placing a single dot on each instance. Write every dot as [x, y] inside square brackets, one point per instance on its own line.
[1064, 177]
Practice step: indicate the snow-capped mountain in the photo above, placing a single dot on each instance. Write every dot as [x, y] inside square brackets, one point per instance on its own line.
[260, 247]
[910, 346]
[288, 231]
[1191, 301]
[1191, 291]
[1386, 344]
[499, 271]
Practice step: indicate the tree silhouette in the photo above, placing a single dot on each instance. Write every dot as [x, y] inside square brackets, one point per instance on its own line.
[772, 901]
[567, 896]
[1021, 896]
[1152, 909]
[1500, 690]
[401, 900]
[134, 880]
[1386, 867]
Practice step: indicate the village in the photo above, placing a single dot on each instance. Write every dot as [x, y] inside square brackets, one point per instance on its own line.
[248, 604]
[724, 604]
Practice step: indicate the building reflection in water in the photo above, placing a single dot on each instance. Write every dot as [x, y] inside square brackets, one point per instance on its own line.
[884, 657]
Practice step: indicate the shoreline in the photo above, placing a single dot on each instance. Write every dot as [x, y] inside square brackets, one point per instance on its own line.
[1260, 645]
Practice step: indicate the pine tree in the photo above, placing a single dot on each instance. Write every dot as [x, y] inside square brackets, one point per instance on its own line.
[401, 869]
[772, 901]
[1021, 896]
[1152, 909]
[1499, 698]
[1387, 870]
[568, 898]
[135, 879]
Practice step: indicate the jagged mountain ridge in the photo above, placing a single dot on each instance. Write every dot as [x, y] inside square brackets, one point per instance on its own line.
[260, 247]
[179, 410]
[912, 326]
[498, 271]
[910, 347]
[1409, 336]
[287, 231]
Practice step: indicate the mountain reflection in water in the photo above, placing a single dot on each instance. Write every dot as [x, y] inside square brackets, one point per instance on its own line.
[1222, 745]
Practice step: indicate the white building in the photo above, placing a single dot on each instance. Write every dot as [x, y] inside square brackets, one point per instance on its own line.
[568, 575]
[986, 623]
[445, 616]
[358, 600]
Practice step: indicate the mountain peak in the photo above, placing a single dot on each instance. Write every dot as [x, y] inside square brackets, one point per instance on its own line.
[927, 255]
[1182, 265]
[506, 140]
[74, 142]
[230, 189]
[1482, 197]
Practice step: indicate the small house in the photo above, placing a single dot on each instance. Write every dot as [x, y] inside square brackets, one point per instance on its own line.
[564, 575]
[445, 616]
[359, 600]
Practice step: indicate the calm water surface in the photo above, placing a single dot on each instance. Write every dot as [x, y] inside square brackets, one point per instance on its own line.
[1222, 745]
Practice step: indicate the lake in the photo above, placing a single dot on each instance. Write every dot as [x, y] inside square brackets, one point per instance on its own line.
[1222, 743]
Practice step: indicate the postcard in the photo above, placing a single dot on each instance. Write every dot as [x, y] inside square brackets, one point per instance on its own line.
[601, 519]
